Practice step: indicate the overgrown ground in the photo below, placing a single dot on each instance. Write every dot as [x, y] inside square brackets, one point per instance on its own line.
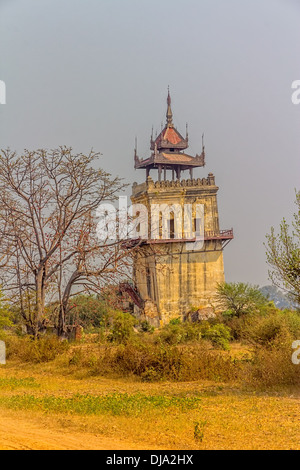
[229, 383]
[57, 405]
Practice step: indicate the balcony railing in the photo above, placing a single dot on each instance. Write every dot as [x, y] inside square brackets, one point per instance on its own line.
[223, 235]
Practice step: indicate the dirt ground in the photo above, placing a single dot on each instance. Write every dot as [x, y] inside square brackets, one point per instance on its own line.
[27, 434]
[227, 417]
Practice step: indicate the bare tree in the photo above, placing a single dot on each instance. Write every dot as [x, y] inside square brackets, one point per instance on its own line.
[283, 255]
[48, 242]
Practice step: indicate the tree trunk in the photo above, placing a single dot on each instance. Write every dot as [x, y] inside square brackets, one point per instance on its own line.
[64, 305]
[40, 300]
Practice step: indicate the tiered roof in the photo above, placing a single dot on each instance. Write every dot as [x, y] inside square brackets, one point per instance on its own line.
[168, 149]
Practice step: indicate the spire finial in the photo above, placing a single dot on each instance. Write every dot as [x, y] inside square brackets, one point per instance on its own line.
[169, 114]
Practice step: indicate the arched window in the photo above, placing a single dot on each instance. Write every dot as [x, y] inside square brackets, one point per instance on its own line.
[172, 225]
[148, 276]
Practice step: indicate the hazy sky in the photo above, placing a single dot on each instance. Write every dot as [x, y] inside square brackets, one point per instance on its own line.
[94, 73]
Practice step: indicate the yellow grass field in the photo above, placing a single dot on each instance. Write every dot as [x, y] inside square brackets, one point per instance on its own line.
[44, 407]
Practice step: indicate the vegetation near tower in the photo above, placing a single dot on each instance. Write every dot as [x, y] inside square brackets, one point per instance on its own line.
[48, 242]
[238, 298]
[283, 255]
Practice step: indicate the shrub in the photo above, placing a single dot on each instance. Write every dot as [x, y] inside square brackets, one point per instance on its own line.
[272, 366]
[261, 327]
[175, 321]
[122, 328]
[172, 334]
[40, 350]
[5, 314]
[145, 327]
[263, 330]
[236, 325]
[292, 319]
[219, 335]
[155, 362]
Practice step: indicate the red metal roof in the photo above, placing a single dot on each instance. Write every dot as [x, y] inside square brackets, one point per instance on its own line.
[172, 136]
[177, 157]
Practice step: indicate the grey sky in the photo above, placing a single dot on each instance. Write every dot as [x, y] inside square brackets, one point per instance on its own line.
[94, 73]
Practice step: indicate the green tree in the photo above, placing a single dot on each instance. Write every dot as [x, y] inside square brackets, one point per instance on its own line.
[239, 298]
[88, 311]
[283, 255]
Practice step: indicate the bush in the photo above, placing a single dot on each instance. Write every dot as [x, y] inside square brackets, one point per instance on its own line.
[271, 334]
[263, 330]
[272, 366]
[172, 334]
[175, 321]
[145, 327]
[40, 350]
[5, 313]
[237, 326]
[155, 362]
[219, 335]
[122, 327]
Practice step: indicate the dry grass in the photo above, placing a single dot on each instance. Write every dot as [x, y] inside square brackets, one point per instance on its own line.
[224, 416]
[152, 395]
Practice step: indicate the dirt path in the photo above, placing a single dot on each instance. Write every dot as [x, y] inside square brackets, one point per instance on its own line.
[22, 434]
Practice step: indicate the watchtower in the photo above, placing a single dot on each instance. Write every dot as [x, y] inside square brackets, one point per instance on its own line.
[180, 261]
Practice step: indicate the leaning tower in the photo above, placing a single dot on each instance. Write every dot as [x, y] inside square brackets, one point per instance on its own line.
[178, 265]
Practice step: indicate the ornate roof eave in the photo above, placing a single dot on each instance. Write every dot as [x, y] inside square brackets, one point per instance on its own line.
[161, 142]
[137, 160]
[201, 158]
[165, 144]
[170, 142]
[158, 159]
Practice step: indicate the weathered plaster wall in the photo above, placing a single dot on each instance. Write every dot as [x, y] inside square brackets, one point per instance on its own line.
[171, 277]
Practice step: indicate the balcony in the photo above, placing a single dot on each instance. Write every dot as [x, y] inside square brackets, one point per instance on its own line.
[225, 236]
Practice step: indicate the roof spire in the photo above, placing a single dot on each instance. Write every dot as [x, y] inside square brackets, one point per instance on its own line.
[169, 114]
